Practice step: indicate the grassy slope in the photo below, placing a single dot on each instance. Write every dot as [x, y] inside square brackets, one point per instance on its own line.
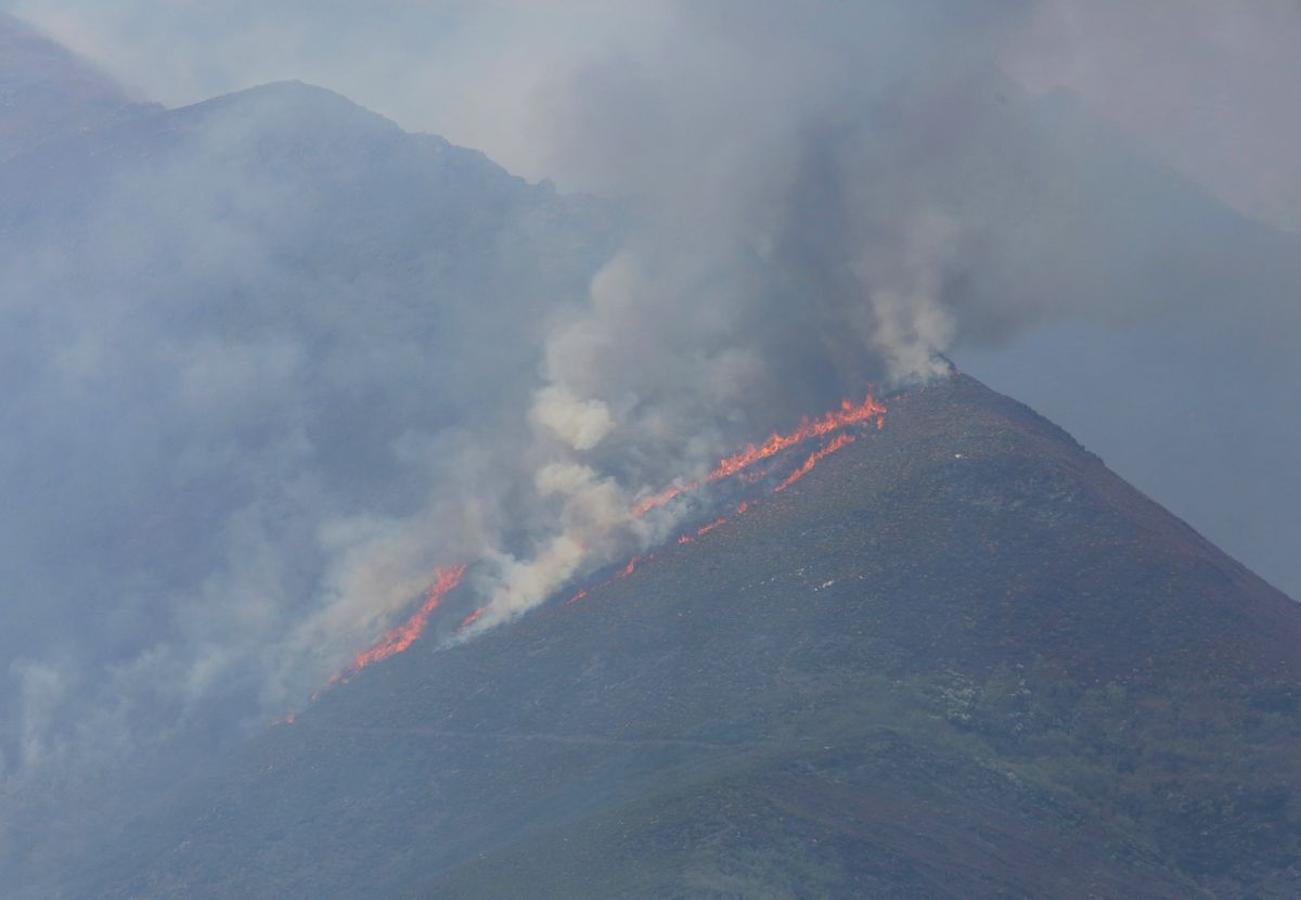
[959, 659]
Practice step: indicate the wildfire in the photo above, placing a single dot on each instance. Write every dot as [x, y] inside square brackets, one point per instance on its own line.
[632, 566]
[816, 457]
[705, 529]
[655, 501]
[848, 414]
[400, 637]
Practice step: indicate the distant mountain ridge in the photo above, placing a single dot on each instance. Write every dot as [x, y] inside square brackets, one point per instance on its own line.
[47, 92]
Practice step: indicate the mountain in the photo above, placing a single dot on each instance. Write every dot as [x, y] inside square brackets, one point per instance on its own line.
[961, 658]
[47, 92]
[226, 327]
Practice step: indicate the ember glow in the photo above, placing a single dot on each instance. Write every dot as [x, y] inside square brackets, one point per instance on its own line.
[817, 456]
[849, 414]
[632, 566]
[705, 529]
[470, 619]
[400, 637]
[655, 501]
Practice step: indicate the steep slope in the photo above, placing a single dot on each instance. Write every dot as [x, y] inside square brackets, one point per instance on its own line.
[960, 658]
[46, 92]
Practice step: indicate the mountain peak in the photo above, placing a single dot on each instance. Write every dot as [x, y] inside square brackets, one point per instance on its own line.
[297, 104]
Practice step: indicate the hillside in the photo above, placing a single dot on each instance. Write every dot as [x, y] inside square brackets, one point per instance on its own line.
[47, 92]
[961, 658]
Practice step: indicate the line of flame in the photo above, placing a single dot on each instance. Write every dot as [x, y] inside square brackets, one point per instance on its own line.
[816, 457]
[400, 637]
[705, 529]
[848, 414]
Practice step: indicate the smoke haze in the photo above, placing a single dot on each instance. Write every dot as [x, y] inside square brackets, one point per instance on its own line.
[273, 360]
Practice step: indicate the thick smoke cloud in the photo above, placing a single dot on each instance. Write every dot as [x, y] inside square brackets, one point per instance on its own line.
[836, 194]
[769, 275]
[246, 348]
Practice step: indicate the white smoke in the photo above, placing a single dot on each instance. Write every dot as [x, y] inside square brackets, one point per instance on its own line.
[582, 424]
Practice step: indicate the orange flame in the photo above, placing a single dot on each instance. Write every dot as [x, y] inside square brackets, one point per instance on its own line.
[816, 457]
[400, 637]
[655, 501]
[705, 529]
[622, 573]
[848, 414]
[471, 619]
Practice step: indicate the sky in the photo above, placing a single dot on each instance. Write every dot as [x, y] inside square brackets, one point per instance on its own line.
[1086, 204]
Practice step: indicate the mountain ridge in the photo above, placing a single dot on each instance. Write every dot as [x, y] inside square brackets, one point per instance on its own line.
[47, 92]
[959, 658]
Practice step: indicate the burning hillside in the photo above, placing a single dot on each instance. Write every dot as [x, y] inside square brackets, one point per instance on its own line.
[848, 415]
[908, 647]
[835, 428]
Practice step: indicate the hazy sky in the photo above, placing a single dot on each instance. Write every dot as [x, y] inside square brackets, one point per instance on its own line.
[1208, 85]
